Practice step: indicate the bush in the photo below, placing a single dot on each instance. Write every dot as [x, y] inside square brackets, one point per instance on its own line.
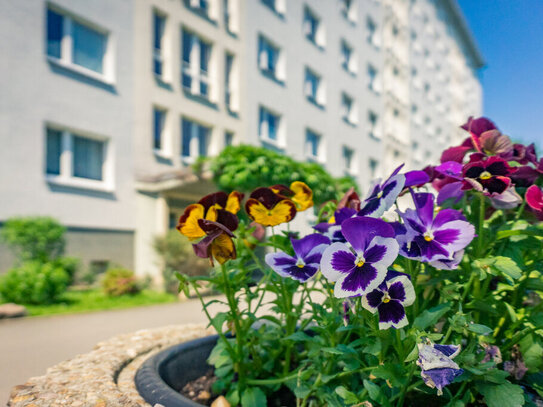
[119, 281]
[177, 255]
[34, 282]
[244, 168]
[35, 238]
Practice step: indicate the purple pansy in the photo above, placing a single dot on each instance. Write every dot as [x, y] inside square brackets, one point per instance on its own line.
[426, 238]
[438, 367]
[306, 260]
[361, 264]
[390, 299]
[332, 229]
[448, 264]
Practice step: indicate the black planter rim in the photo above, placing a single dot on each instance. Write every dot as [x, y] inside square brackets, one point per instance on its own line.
[149, 380]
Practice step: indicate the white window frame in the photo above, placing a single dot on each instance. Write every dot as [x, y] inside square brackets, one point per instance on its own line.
[373, 36]
[162, 54]
[165, 150]
[373, 82]
[193, 68]
[348, 113]
[278, 71]
[307, 147]
[373, 128]
[263, 131]
[194, 144]
[318, 97]
[349, 169]
[66, 47]
[66, 177]
[350, 64]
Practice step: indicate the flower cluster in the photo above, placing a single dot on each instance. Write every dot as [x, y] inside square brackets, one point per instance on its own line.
[388, 260]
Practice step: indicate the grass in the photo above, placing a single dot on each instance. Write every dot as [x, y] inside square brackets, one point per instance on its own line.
[79, 301]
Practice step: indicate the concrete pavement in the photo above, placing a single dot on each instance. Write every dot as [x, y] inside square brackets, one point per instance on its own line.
[29, 346]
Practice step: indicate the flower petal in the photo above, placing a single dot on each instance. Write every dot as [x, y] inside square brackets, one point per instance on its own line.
[534, 198]
[188, 222]
[233, 203]
[357, 282]
[303, 247]
[392, 314]
[303, 195]
[330, 261]
[454, 242]
[359, 231]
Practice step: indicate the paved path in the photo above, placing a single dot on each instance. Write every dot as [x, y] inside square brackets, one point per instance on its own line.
[28, 346]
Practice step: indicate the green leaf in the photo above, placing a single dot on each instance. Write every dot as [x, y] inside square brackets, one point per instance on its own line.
[348, 396]
[333, 351]
[219, 356]
[413, 354]
[253, 397]
[431, 316]
[374, 391]
[391, 372]
[496, 376]
[501, 395]
[508, 267]
[301, 391]
[218, 320]
[479, 329]
[300, 337]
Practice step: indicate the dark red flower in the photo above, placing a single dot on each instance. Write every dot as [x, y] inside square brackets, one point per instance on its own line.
[350, 200]
[534, 198]
[491, 175]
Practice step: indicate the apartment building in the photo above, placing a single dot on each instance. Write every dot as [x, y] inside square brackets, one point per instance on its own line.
[105, 105]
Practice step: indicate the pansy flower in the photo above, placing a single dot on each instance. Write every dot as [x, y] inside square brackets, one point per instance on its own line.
[534, 198]
[475, 127]
[306, 260]
[360, 265]
[426, 238]
[389, 299]
[383, 195]
[299, 193]
[268, 208]
[208, 208]
[490, 176]
[218, 243]
[350, 200]
[437, 365]
[332, 228]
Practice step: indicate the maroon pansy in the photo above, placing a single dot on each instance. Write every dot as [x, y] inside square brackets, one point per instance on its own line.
[491, 175]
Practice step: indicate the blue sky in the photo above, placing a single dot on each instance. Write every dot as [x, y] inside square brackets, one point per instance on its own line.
[510, 36]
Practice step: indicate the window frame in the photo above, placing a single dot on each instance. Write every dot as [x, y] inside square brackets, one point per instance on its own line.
[66, 175]
[195, 141]
[265, 45]
[263, 127]
[308, 150]
[66, 59]
[193, 67]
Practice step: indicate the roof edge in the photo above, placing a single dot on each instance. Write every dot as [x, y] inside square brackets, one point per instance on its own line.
[465, 32]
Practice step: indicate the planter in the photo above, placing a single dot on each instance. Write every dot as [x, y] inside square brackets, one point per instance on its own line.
[161, 377]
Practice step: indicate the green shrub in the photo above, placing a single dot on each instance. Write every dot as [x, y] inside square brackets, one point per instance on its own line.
[34, 282]
[244, 168]
[34, 238]
[177, 255]
[119, 281]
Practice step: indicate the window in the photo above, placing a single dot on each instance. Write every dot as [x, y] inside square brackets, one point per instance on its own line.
[395, 30]
[228, 65]
[268, 128]
[372, 124]
[312, 29]
[374, 165]
[347, 109]
[194, 140]
[159, 23]
[159, 121]
[372, 79]
[77, 45]
[372, 32]
[54, 150]
[277, 6]
[201, 6]
[228, 138]
[348, 155]
[77, 160]
[347, 60]
[196, 56]
[312, 87]
[268, 57]
[347, 9]
[312, 142]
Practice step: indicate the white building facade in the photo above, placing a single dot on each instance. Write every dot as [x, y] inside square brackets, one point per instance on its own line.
[105, 105]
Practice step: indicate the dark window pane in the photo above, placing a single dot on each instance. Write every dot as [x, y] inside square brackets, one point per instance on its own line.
[89, 47]
[202, 140]
[185, 137]
[158, 31]
[158, 119]
[54, 149]
[88, 158]
[187, 46]
[54, 33]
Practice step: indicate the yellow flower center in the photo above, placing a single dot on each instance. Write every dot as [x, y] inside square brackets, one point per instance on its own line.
[485, 175]
[380, 194]
[428, 236]
[386, 298]
[360, 263]
[301, 266]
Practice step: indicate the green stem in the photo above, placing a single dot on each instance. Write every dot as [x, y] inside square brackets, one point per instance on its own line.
[230, 296]
[480, 229]
[405, 388]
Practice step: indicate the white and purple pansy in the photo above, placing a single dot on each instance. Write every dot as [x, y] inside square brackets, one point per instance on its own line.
[390, 299]
[360, 265]
[437, 365]
[332, 229]
[382, 196]
[306, 260]
[428, 239]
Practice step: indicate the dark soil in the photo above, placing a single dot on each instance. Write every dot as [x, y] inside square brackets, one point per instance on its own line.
[199, 390]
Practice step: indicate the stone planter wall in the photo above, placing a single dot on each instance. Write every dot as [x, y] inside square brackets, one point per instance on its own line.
[105, 376]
